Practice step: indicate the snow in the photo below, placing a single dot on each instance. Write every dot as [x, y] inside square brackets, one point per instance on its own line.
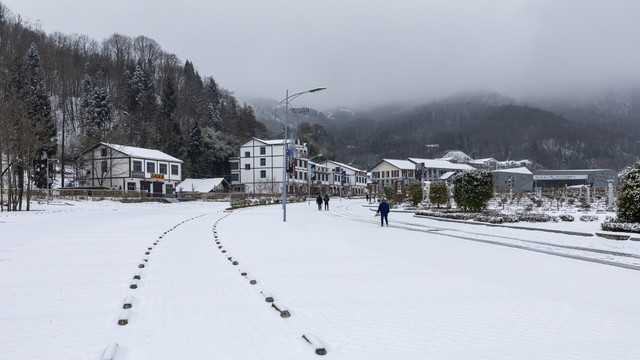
[520, 170]
[400, 164]
[199, 185]
[419, 289]
[440, 164]
[142, 153]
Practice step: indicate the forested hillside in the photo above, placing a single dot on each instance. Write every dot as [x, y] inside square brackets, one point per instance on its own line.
[60, 94]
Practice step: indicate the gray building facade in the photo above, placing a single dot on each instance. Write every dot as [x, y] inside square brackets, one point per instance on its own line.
[595, 178]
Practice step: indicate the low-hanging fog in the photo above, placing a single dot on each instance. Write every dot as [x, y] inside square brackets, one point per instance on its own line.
[375, 52]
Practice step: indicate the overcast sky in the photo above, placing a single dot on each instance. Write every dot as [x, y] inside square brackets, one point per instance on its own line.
[372, 52]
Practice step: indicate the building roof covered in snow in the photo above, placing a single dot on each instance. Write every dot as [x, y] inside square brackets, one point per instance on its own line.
[137, 152]
[203, 185]
[520, 170]
[440, 164]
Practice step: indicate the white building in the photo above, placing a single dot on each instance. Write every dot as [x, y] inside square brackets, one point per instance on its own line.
[258, 169]
[129, 168]
[387, 171]
[345, 179]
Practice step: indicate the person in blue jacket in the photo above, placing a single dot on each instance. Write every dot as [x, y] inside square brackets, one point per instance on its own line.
[383, 209]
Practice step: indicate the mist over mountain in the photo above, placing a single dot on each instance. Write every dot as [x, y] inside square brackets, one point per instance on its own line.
[595, 132]
[129, 90]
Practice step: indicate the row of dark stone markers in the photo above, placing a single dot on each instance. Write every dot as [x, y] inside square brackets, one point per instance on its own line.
[128, 303]
[320, 349]
[110, 351]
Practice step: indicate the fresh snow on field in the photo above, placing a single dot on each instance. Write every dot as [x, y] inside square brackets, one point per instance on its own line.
[355, 289]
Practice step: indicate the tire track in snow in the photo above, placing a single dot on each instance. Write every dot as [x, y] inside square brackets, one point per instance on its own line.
[605, 257]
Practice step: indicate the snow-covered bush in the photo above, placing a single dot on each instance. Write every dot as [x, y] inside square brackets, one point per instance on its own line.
[622, 227]
[447, 215]
[629, 196]
[473, 189]
[489, 219]
[535, 217]
[588, 218]
[566, 217]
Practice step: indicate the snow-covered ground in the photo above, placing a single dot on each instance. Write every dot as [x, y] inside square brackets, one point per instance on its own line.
[419, 289]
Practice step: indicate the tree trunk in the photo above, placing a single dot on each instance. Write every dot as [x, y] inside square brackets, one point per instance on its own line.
[29, 188]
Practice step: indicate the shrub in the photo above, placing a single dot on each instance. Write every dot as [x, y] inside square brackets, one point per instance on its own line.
[388, 193]
[588, 218]
[629, 198]
[439, 193]
[415, 193]
[473, 189]
[534, 217]
[566, 217]
[622, 227]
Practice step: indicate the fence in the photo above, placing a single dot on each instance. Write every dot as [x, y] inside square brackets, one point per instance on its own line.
[83, 194]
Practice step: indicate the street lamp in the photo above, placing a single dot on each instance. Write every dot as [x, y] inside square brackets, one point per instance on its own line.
[285, 145]
[309, 177]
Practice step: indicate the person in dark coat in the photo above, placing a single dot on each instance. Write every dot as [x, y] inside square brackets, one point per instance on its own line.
[319, 202]
[326, 202]
[383, 209]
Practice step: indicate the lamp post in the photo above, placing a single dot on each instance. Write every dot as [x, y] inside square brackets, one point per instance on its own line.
[309, 177]
[285, 146]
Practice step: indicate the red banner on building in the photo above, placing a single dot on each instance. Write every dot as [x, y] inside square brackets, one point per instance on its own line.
[157, 176]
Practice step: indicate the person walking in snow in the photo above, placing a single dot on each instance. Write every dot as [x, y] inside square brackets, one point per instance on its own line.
[326, 202]
[383, 209]
[319, 202]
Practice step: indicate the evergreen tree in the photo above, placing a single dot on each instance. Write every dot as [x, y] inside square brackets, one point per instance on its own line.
[169, 136]
[473, 189]
[213, 109]
[218, 148]
[629, 198]
[30, 88]
[95, 107]
[195, 151]
[141, 104]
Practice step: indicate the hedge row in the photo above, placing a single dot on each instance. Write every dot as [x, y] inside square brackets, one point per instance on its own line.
[497, 218]
[622, 227]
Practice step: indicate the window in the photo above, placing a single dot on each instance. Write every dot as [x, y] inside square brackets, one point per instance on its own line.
[151, 167]
[103, 152]
[263, 162]
[234, 177]
[263, 150]
[263, 174]
[247, 166]
[234, 166]
[247, 154]
[137, 165]
[169, 189]
[174, 169]
[131, 186]
[103, 167]
[163, 168]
